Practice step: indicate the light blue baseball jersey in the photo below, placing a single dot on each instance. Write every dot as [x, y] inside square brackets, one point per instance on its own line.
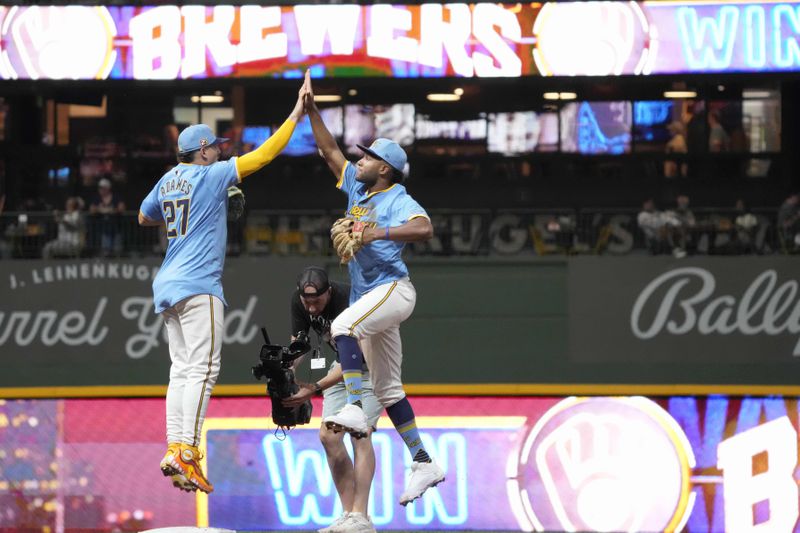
[193, 202]
[381, 261]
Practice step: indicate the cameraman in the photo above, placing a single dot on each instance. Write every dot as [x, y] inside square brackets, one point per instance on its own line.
[315, 304]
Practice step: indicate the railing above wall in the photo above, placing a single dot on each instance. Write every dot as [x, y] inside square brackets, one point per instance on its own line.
[476, 232]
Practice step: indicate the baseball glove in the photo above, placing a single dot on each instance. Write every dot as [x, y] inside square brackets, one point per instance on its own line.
[235, 203]
[346, 235]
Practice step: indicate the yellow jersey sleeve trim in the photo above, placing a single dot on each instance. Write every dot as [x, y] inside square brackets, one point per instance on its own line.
[239, 176]
[264, 154]
[389, 188]
[147, 217]
[412, 217]
[341, 175]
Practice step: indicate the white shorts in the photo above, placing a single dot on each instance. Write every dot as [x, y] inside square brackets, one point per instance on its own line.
[374, 319]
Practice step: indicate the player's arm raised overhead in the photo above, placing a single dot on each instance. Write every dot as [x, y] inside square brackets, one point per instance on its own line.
[325, 142]
[264, 154]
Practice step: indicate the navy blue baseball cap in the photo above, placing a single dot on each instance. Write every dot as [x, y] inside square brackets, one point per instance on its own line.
[388, 151]
[196, 137]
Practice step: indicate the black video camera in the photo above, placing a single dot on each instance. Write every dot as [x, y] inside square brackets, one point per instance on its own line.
[276, 366]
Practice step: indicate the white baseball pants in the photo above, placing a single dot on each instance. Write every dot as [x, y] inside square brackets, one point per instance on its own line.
[194, 329]
[374, 319]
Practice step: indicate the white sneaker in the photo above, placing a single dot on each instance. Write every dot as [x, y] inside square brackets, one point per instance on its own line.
[423, 477]
[350, 419]
[338, 522]
[355, 523]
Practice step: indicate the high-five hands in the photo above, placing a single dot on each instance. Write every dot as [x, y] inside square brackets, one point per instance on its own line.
[309, 96]
[302, 96]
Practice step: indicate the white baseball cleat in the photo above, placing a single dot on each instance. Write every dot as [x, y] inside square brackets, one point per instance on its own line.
[423, 477]
[334, 527]
[350, 419]
[355, 523]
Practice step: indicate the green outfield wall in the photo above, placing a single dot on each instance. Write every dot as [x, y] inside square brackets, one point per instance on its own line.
[481, 326]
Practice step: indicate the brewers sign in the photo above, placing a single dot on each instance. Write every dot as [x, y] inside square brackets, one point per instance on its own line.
[428, 40]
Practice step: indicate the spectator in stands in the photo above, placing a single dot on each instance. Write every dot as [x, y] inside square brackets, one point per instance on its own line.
[696, 133]
[674, 168]
[681, 225]
[789, 223]
[746, 224]
[734, 232]
[71, 236]
[26, 235]
[683, 212]
[718, 138]
[5, 248]
[106, 209]
[651, 222]
[563, 230]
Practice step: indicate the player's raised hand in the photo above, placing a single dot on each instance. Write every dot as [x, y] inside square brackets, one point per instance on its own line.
[309, 98]
[299, 106]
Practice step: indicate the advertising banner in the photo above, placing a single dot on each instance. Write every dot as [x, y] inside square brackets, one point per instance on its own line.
[603, 324]
[691, 312]
[429, 40]
[82, 323]
[679, 463]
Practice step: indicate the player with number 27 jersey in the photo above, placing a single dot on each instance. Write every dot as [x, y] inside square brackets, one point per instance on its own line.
[192, 200]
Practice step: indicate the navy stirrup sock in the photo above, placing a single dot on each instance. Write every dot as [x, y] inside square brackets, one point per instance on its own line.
[351, 359]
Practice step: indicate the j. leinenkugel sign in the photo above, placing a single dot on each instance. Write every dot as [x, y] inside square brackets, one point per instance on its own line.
[79, 323]
[645, 309]
[88, 320]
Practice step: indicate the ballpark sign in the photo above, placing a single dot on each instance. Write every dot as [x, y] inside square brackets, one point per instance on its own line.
[428, 40]
[85, 323]
[767, 306]
[699, 311]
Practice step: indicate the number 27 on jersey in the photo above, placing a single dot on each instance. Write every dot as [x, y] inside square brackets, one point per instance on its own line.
[171, 208]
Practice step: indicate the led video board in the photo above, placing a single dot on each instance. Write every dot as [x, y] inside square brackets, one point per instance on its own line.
[405, 41]
[682, 463]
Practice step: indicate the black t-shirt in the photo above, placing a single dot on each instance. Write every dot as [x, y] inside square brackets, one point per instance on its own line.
[302, 321]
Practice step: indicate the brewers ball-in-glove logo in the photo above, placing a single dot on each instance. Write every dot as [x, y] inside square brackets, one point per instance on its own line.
[593, 39]
[57, 42]
[603, 464]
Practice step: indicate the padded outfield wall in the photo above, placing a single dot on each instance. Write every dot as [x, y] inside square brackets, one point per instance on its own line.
[583, 325]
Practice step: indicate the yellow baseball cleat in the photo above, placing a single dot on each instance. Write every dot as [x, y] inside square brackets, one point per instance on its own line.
[181, 464]
[170, 468]
[179, 481]
[188, 464]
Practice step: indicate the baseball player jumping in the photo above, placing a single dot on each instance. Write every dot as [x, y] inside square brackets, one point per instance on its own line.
[381, 217]
[191, 202]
